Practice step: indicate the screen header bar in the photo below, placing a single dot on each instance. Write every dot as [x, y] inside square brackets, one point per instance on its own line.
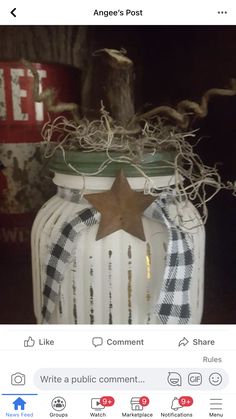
[72, 12]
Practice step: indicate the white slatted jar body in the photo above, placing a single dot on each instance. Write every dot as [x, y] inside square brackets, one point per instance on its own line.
[115, 280]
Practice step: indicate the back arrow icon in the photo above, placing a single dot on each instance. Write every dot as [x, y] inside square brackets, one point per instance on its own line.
[13, 12]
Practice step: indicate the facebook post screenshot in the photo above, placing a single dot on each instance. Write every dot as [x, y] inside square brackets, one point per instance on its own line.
[118, 209]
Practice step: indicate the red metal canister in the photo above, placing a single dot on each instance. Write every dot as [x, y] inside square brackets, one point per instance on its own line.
[23, 185]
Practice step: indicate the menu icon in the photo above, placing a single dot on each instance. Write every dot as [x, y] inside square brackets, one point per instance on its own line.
[216, 404]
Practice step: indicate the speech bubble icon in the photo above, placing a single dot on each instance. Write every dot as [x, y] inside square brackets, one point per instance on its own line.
[97, 341]
[174, 379]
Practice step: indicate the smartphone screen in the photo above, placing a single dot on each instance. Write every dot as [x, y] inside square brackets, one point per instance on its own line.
[117, 210]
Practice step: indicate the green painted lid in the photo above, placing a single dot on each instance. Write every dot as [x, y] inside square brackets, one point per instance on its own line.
[158, 164]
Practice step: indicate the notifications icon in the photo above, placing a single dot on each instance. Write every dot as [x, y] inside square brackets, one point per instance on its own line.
[97, 341]
[175, 404]
[174, 379]
[184, 401]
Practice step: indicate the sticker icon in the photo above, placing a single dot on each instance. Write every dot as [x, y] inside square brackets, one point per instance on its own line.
[174, 379]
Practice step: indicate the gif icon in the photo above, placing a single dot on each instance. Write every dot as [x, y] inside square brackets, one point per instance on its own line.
[195, 379]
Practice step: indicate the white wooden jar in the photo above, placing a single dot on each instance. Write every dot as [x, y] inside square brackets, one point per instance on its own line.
[115, 280]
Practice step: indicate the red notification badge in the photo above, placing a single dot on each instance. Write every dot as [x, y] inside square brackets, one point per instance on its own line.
[144, 401]
[185, 401]
[107, 401]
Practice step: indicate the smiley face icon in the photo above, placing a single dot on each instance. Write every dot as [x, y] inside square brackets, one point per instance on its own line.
[215, 379]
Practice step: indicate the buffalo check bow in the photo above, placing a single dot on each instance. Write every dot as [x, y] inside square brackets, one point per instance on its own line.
[173, 305]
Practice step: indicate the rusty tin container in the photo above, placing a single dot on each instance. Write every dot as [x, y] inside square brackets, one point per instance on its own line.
[24, 182]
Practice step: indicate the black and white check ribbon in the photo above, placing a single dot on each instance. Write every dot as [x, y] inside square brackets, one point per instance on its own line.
[173, 305]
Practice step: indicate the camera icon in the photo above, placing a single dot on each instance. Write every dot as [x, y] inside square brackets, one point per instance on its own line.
[18, 379]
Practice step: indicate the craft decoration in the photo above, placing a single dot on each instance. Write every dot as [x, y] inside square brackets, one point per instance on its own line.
[134, 142]
[173, 305]
[142, 134]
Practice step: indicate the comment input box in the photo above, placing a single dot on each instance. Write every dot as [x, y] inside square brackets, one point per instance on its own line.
[130, 379]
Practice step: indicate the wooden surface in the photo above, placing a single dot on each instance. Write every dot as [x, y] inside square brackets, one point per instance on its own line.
[171, 63]
[115, 89]
[54, 44]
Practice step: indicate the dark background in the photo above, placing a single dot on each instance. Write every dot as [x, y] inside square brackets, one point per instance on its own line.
[171, 64]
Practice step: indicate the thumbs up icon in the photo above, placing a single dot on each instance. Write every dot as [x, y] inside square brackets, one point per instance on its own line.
[29, 343]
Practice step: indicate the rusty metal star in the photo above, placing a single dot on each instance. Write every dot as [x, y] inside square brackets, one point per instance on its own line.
[121, 208]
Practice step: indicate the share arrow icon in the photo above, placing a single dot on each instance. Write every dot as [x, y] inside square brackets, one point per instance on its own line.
[183, 342]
